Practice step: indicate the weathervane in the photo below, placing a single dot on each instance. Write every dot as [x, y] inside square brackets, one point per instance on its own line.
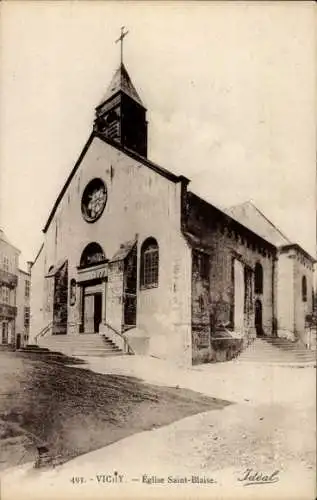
[120, 39]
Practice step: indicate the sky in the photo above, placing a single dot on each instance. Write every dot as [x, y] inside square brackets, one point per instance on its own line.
[230, 90]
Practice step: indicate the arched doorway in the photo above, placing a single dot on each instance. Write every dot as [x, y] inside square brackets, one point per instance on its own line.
[92, 272]
[258, 318]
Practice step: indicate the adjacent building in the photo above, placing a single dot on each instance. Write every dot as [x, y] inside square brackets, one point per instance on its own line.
[9, 262]
[131, 252]
[23, 307]
[15, 286]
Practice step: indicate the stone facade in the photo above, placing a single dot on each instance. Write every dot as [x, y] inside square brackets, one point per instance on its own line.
[131, 253]
[225, 293]
[141, 204]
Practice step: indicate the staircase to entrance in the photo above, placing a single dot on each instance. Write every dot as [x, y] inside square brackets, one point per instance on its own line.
[276, 350]
[83, 344]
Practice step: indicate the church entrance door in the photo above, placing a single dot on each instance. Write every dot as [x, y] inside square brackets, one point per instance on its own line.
[92, 308]
[258, 318]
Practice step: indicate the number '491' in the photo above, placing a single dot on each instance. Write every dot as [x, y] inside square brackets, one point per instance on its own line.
[77, 480]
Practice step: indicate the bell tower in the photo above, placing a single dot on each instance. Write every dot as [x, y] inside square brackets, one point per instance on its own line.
[121, 115]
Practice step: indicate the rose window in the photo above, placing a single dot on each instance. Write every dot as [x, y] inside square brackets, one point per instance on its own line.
[94, 200]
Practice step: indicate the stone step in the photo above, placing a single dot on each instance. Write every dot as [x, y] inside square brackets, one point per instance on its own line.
[40, 353]
[104, 354]
[277, 351]
[279, 358]
[66, 344]
[30, 348]
[82, 345]
[76, 340]
[51, 356]
[70, 338]
[81, 350]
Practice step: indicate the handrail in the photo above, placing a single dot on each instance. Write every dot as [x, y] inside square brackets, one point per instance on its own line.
[49, 326]
[44, 331]
[126, 343]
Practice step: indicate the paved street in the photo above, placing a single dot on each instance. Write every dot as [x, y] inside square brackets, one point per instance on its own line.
[270, 430]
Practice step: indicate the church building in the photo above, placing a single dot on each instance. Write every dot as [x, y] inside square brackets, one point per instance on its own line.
[132, 257]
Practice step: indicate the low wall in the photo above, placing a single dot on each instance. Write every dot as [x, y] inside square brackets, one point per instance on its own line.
[223, 349]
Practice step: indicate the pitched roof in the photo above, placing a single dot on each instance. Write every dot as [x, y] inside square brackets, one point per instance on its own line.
[121, 81]
[299, 249]
[4, 238]
[124, 250]
[250, 216]
[199, 210]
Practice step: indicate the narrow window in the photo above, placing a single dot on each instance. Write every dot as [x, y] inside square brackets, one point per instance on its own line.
[6, 263]
[204, 266]
[304, 289]
[149, 263]
[201, 264]
[26, 318]
[27, 288]
[72, 294]
[5, 294]
[258, 278]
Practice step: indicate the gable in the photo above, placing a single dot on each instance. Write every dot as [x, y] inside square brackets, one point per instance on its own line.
[131, 154]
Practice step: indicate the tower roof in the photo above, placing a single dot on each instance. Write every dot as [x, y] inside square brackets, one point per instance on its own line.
[121, 81]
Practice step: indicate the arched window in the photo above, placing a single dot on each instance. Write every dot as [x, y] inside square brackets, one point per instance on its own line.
[149, 263]
[258, 278]
[304, 289]
[92, 254]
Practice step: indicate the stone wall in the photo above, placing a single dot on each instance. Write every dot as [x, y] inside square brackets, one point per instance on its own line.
[226, 242]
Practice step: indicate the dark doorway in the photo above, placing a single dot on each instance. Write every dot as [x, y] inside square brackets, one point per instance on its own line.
[4, 333]
[18, 341]
[258, 318]
[97, 311]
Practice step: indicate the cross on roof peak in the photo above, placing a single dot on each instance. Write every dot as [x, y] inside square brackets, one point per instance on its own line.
[120, 39]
